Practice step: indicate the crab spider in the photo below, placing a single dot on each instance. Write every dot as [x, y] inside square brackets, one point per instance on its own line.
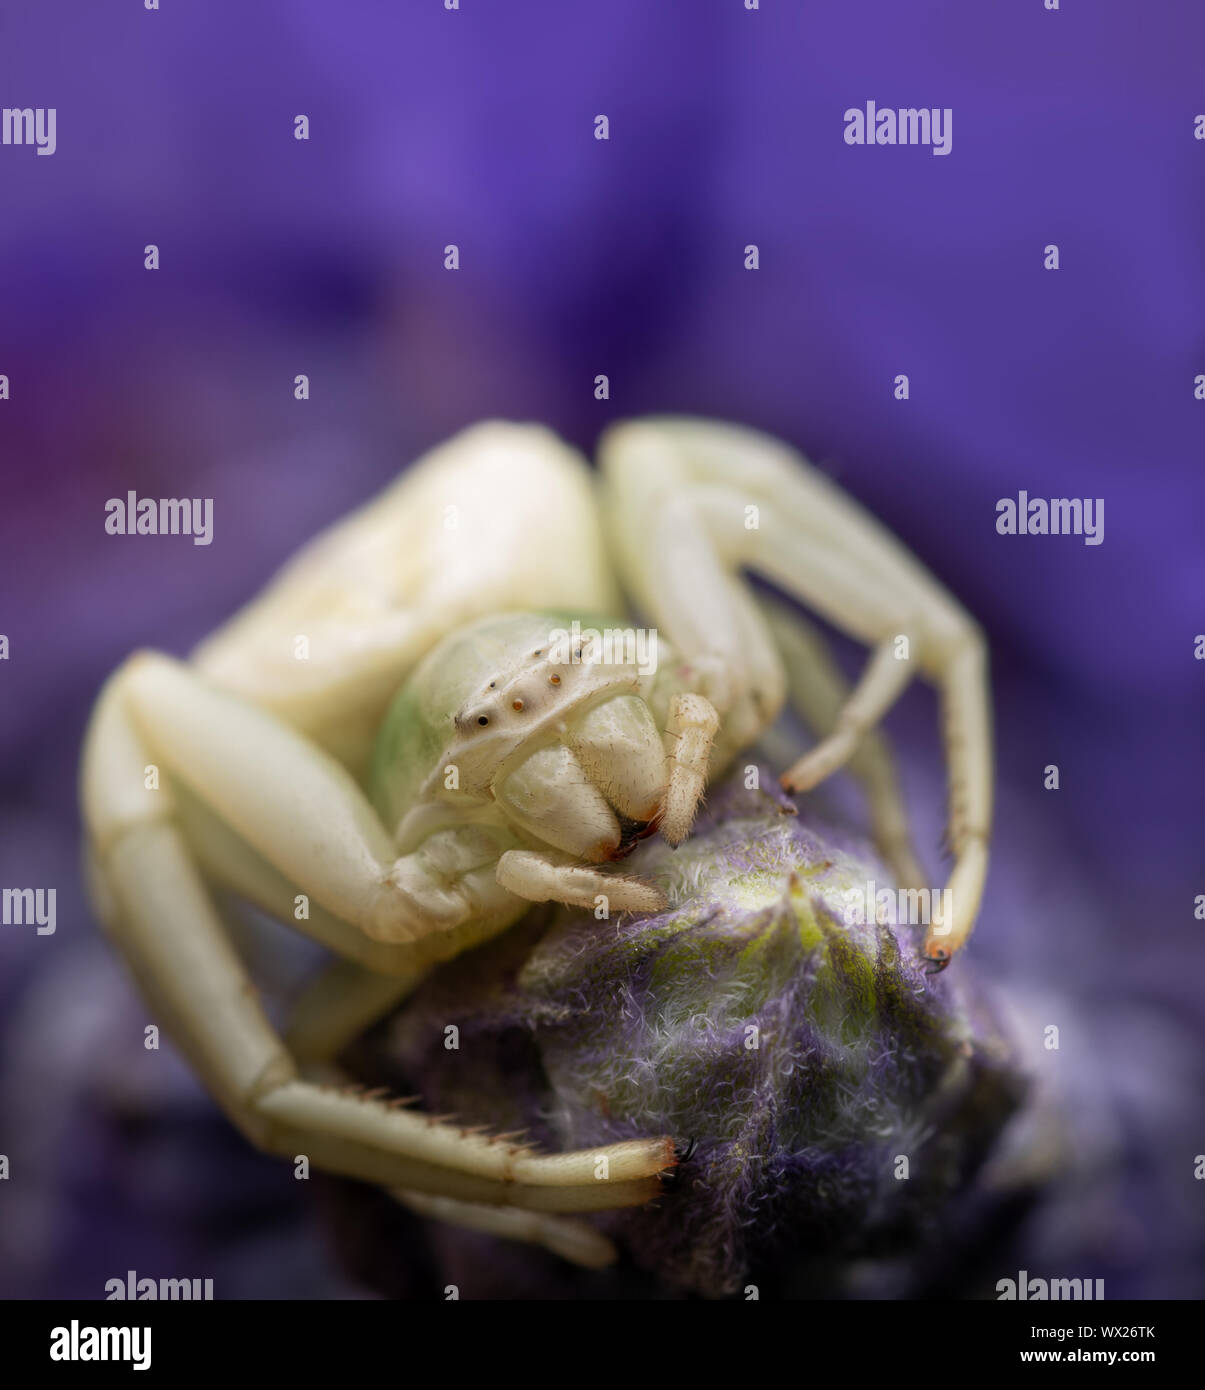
[390, 750]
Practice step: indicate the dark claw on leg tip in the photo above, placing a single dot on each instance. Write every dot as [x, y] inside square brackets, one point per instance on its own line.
[682, 1152]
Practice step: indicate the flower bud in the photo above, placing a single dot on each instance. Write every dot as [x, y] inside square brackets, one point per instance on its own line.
[838, 1096]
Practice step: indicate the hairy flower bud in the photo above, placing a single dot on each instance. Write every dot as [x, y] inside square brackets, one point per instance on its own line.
[837, 1096]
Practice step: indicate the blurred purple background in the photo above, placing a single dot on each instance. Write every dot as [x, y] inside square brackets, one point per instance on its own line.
[622, 257]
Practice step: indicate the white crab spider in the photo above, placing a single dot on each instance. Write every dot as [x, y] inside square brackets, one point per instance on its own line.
[500, 777]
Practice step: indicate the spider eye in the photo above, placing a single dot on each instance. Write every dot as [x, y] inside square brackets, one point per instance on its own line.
[482, 719]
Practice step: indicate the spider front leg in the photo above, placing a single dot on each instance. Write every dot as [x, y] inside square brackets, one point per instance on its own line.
[341, 1003]
[690, 504]
[307, 819]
